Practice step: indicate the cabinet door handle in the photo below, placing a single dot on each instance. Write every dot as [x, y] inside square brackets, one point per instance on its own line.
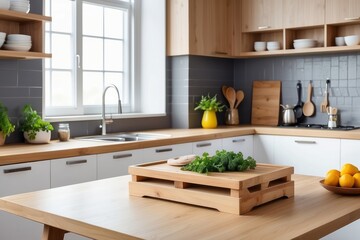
[76, 162]
[203, 144]
[122, 155]
[163, 150]
[263, 27]
[238, 140]
[20, 169]
[352, 18]
[305, 142]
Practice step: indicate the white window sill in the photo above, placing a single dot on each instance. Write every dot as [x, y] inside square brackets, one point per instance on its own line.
[98, 117]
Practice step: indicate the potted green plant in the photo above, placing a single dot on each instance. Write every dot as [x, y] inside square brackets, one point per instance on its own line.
[35, 129]
[6, 127]
[210, 105]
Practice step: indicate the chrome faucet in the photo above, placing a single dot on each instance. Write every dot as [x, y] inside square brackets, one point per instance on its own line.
[104, 120]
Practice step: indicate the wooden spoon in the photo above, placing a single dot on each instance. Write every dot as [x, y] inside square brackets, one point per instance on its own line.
[223, 88]
[231, 96]
[309, 108]
[239, 97]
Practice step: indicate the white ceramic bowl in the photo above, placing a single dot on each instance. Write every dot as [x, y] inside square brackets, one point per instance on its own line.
[304, 43]
[5, 4]
[260, 46]
[2, 35]
[271, 46]
[17, 47]
[18, 37]
[340, 41]
[352, 40]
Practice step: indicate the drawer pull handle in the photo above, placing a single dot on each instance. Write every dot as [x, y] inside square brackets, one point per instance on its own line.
[163, 150]
[305, 142]
[352, 18]
[21, 169]
[76, 162]
[122, 156]
[238, 140]
[203, 144]
[263, 27]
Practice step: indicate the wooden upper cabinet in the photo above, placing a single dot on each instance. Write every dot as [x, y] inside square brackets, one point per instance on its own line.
[201, 27]
[210, 27]
[260, 15]
[303, 13]
[339, 11]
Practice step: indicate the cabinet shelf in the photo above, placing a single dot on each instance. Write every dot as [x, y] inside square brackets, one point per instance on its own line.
[304, 51]
[23, 55]
[12, 22]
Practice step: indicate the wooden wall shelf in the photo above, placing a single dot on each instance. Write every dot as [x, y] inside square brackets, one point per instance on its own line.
[12, 22]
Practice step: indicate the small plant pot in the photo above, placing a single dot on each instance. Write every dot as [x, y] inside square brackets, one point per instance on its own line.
[2, 138]
[41, 137]
[209, 119]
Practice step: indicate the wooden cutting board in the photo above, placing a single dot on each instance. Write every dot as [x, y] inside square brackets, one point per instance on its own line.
[231, 192]
[266, 103]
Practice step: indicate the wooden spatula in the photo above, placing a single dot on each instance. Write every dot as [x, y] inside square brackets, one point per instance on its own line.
[325, 102]
[239, 97]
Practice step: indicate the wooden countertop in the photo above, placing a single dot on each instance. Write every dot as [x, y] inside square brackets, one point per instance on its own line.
[20, 153]
[104, 210]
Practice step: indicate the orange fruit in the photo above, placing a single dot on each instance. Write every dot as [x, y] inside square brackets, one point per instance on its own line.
[356, 180]
[346, 180]
[348, 168]
[332, 179]
[335, 171]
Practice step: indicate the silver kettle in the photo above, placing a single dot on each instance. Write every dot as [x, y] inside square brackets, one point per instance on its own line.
[288, 114]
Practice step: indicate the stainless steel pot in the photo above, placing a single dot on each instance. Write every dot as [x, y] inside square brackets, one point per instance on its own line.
[288, 114]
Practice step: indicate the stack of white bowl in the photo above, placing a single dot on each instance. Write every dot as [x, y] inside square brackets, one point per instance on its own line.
[352, 40]
[5, 4]
[20, 5]
[304, 43]
[260, 46]
[271, 46]
[18, 42]
[2, 38]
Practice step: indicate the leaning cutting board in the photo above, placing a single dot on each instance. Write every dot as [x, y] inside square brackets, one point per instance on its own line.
[231, 192]
[266, 103]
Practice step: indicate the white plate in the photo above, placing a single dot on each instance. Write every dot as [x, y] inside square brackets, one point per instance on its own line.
[17, 48]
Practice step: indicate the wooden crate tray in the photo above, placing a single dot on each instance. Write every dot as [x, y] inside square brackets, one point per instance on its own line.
[231, 192]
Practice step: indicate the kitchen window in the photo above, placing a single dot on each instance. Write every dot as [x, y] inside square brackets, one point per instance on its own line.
[97, 43]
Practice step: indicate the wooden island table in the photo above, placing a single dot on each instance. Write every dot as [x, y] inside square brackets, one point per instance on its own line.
[104, 210]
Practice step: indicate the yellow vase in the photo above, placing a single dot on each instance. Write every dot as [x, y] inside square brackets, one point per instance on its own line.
[209, 119]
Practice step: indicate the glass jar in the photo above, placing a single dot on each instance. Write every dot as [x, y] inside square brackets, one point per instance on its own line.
[64, 132]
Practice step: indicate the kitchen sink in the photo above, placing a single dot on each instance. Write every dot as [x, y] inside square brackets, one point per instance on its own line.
[125, 137]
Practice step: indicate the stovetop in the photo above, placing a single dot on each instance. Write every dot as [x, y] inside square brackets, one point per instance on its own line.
[321, 126]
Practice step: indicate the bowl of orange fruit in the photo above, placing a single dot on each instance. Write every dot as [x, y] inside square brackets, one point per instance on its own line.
[346, 181]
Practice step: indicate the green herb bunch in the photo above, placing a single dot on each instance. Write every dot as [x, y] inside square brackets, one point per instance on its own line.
[6, 127]
[222, 161]
[33, 123]
[208, 103]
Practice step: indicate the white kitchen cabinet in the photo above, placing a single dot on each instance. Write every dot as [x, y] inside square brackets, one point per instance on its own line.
[264, 148]
[66, 171]
[309, 156]
[73, 170]
[350, 152]
[116, 163]
[21, 178]
[244, 144]
[166, 152]
[209, 146]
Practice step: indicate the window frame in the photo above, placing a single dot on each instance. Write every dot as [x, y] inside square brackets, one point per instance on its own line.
[77, 68]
